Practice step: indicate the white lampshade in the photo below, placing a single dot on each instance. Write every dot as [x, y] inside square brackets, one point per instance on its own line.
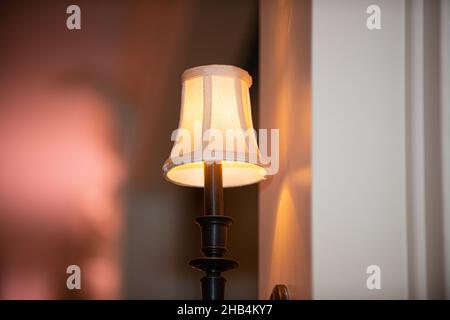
[216, 117]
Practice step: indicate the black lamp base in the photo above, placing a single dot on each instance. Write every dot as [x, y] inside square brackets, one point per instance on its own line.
[214, 240]
[213, 284]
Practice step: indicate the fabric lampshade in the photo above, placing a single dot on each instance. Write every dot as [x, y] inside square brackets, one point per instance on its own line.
[215, 125]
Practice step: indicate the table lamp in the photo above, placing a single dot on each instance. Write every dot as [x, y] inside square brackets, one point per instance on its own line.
[215, 147]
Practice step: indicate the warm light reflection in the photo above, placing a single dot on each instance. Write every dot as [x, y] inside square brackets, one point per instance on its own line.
[289, 260]
[285, 199]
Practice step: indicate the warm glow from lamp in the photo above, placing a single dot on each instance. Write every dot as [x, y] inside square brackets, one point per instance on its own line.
[215, 125]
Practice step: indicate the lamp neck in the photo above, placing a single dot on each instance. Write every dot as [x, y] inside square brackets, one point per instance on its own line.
[213, 189]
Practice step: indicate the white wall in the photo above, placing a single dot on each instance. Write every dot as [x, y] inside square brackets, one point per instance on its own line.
[445, 131]
[358, 187]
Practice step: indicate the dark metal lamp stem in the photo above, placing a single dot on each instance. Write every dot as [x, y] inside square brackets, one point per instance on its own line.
[214, 227]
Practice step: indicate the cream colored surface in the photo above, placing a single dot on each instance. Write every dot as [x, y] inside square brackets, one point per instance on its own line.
[234, 174]
[216, 118]
[359, 210]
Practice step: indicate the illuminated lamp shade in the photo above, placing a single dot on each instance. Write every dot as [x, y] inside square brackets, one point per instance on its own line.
[215, 126]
